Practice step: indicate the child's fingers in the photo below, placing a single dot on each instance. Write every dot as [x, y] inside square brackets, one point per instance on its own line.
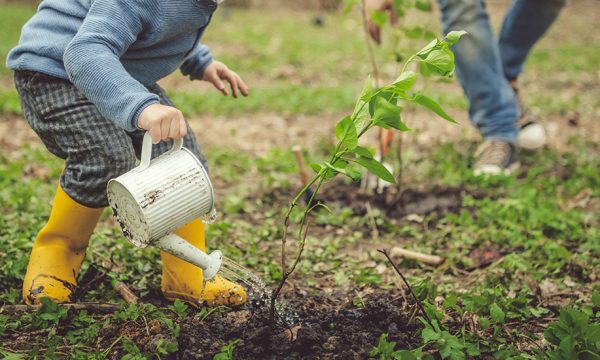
[213, 78]
[230, 76]
[242, 85]
[155, 134]
[182, 127]
[174, 129]
[165, 128]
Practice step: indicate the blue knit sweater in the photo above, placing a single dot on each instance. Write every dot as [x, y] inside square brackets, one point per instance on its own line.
[111, 49]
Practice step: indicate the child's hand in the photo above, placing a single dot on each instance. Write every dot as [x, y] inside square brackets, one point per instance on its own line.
[216, 72]
[162, 122]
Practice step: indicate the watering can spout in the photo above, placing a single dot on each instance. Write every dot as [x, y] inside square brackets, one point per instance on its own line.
[182, 249]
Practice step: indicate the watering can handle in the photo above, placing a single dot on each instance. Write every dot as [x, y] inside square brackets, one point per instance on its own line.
[147, 150]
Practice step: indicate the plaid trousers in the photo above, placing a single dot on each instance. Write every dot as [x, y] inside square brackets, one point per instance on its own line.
[94, 148]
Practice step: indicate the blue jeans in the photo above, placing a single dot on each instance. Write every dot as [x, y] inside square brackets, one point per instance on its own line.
[484, 66]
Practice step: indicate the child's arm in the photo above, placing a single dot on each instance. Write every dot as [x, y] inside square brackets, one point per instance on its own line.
[200, 65]
[92, 60]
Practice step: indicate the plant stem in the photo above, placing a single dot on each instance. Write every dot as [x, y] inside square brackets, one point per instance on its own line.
[384, 252]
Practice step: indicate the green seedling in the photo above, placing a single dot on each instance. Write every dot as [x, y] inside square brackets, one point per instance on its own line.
[386, 350]
[226, 352]
[375, 108]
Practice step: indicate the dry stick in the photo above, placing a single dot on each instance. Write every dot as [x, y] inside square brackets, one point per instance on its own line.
[126, 293]
[374, 230]
[304, 177]
[120, 287]
[101, 308]
[413, 255]
[384, 252]
[368, 176]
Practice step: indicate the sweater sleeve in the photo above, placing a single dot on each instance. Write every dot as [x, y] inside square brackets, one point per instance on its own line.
[196, 62]
[92, 61]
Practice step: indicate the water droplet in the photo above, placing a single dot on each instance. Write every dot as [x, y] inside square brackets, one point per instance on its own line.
[210, 218]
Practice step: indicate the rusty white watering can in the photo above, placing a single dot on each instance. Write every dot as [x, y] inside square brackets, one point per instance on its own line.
[159, 196]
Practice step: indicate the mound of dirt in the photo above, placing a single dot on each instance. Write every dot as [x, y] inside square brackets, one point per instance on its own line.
[437, 199]
[319, 327]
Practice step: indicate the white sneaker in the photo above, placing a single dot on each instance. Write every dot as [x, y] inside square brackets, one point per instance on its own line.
[532, 134]
[495, 157]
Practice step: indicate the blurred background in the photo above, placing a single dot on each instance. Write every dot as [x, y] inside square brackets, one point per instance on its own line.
[305, 63]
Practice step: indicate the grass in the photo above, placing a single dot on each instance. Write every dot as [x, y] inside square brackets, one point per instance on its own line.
[547, 241]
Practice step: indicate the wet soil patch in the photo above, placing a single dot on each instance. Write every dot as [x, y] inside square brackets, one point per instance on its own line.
[319, 327]
[435, 200]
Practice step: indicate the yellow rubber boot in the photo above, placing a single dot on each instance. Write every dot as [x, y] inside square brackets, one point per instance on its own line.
[58, 251]
[184, 281]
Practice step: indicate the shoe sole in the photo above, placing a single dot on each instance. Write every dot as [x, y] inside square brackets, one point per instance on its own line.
[493, 170]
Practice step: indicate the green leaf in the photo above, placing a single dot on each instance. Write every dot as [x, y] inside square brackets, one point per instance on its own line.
[387, 115]
[316, 167]
[399, 7]
[345, 132]
[423, 5]
[379, 18]
[359, 150]
[432, 105]
[415, 32]
[429, 335]
[360, 115]
[427, 49]
[376, 168]
[405, 81]
[348, 5]
[567, 348]
[353, 174]
[596, 299]
[339, 166]
[454, 36]
[496, 313]
[439, 61]
[450, 300]
[403, 355]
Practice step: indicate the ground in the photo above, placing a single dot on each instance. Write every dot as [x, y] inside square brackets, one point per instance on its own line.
[519, 251]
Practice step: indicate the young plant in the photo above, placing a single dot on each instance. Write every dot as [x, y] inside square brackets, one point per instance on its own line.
[379, 108]
[575, 336]
[394, 14]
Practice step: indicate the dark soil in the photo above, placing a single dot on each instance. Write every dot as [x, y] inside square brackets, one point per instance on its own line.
[438, 199]
[326, 327]
[318, 327]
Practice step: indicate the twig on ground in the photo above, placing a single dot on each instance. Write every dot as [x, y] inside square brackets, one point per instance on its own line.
[417, 256]
[102, 308]
[126, 293]
[304, 175]
[384, 252]
[120, 287]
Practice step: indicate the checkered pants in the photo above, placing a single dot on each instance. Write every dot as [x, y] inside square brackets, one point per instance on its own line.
[95, 150]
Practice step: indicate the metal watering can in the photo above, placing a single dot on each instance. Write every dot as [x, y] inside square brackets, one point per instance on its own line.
[159, 196]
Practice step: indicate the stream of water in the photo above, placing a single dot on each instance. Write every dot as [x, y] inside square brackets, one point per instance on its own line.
[259, 295]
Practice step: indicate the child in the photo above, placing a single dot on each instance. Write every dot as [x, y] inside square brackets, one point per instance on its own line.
[86, 73]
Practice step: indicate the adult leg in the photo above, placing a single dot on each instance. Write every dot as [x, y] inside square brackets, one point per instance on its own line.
[492, 104]
[524, 24]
